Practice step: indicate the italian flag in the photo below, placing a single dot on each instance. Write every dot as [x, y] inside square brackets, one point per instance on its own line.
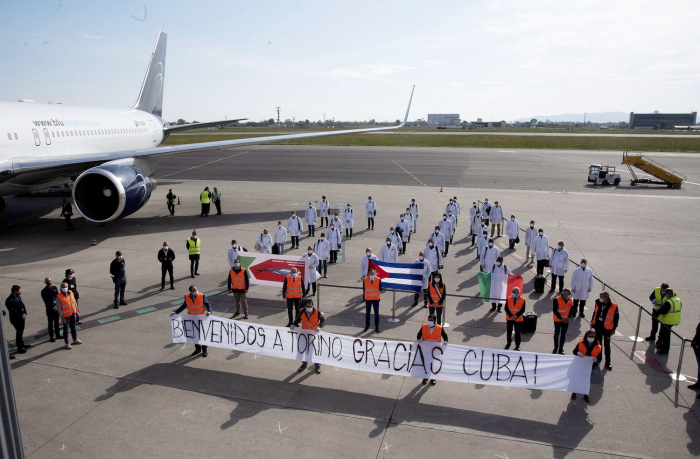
[496, 285]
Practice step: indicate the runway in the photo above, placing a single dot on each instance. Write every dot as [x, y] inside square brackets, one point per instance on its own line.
[470, 132]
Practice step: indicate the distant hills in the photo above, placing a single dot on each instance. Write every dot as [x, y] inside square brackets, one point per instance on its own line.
[604, 117]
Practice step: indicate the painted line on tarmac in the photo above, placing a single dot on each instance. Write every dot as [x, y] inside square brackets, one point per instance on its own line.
[145, 310]
[108, 319]
[417, 179]
[641, 355]
[200, 165]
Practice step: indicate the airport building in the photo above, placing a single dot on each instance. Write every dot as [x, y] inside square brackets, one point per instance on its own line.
[443, 119]
[661, 120]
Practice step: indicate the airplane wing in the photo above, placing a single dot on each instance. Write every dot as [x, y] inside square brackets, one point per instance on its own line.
[186, 127]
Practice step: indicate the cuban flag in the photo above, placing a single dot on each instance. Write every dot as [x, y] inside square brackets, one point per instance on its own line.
[399, 276]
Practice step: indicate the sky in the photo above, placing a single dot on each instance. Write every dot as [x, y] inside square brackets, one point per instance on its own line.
[496, 60]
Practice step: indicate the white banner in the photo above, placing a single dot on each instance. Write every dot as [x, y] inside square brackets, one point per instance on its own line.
[447, 362]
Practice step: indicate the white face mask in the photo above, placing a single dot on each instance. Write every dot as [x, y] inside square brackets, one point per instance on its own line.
[310, 252]
[195, 293]
[431, 245]
[371, 277]
[512, 218]
[309, 310]
[392, 231]
[165, 247]
[590, 340]
[583, 265]
[490, 244]
[323, 238]
[388, 243]
[431, 323]
[541, 233]
[369, 254]
[401, 218]
[279, 226]
[515, 296]
[294, 275]
[561, 247]
[64, 289]
[421, 258]
[437, 231]
[437, 280]
[234, 246]
[499, 264]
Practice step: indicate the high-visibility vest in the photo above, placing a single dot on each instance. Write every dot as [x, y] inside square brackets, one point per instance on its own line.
[659, 297]
[609, 321]
[171, 198]
[515, 308]
[238, 280]
[564, 308]
[68, 304]
[673, 316]
[595, 352]
[293, 287]
[435, 335]
[204, 197]
[372, 289]
[216, 195]
[194, 246]
[196, 307]
[309, 323]
[435, 296]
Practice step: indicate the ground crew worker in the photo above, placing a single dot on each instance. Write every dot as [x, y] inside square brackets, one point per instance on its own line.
[669, 314]
[530, 234]
[349, 217]
[561, 308]
[515, 310]
[323, 208]
[280, 237]
[427, 271]
[264, 242]
[292, 292]
[371, 211]
[604, 321]
[413, 209]
[431, 331]
[205, 199]
[657, 300]
[216, 197]
[18, 315]
[310, 217]
[67, 213]
[364, 263]
[197, 305]
[588, 346]
[193, 248]
[581, 286]
[371, 293]
[496, 218]
[310, 318]
[389, 252]
[437, 294]
[68, 312]
[294, 228]
[73, 287]
[49, 294]
[239, 283]
[695, 344]
[559, 264]
[166, 256]
[170, 200]
[117, 268]
[541, 251]
[512, 229]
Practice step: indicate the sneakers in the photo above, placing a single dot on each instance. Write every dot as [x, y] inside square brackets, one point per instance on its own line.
[433, 382]
[424, 382]
[608, 367]
[587, 399]
[517, 348]
[68, 346]
[301, 368]
[650, 338]
[77, 341]
[318, 370]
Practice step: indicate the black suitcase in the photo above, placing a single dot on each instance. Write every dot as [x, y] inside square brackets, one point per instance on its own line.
[540, 282]
[275, 249]
[530, 322]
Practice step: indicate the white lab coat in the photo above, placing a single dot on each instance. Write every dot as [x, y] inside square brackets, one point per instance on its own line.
[541, 247]
[310, 265]
[427, 271]
[496, 215]
[338, 223]
[335, 238]
[349, 217]
[395, 239]
[405, 227]
[409, 218]
[233, 254]
[450, 207]
[472, 212]
[322, 249]
[364, 263]
[459, 208]
[438, 239]
[512, 228]
[265, 241]
[581, 283]
[389, 254]
[559, 262]
[446, 228]
[280, 235]
[434, 256]
[484, 206]
[481, 243]
[453, 221]
[488, 257]
[414, 211]
[503, 269]
[530, 235]
[310, 215]
[323, 207]
[295, 226]
[370, 207]
[483, 228]
[476, 225]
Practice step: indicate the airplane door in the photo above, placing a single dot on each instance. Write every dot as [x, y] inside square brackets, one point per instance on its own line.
[37, 138]
[153, 129]
[47, 137]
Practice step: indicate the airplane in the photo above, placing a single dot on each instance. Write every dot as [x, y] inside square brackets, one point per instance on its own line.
[109, 155]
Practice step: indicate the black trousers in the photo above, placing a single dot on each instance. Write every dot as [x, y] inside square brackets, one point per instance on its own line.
[432, 310]
[119, 287]
[311, 287]
[197, 347]
[205, 208]
[370, 223]
[697, 357]
[166, 269]
[510, 325]
[218, 207]
[171, 209]
[312, 230]
[334, 256]
[69, 225]
[511, 243]
[369, 305]
[70, 324]
[53, 322]
[447, 247]
[295, 242]
[293, 305]
[560, 329]
[665, 338]
[540, 267]
[416, 296]
[348, 233]
[194, 264]
[603, 337]
[654, 327]
[580, 304]
[19, 331]
[473, 239]
[322, 221]
[554, 282]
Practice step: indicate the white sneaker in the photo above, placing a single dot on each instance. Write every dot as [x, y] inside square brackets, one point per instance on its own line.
[68, 346]
[77, 341]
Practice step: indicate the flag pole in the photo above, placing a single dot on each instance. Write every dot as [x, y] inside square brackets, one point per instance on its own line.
[393, 318]
[444, 314]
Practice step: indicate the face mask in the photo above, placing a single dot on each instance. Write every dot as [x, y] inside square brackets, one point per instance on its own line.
[499, 264]
[515, 296]
[294, 216]
[431, 323]
[392, 231]
[444, 218]
[583, 265]
[309, 206]
[348, 207]
[401, 218]
[490, 244]
[234, 246]
[388, 243]
[236, 265]
[437, 231]
[310, 252]
[421, 258]
[437, 279]
[64, 290]
[541, 233]
[323, 238]
[512, 218]
[371, 277]
[431, 245]
[369, 254]
[279, 226]
[195, 293]
[561, 247]
[532, 226]
[309, 310]
[590, 340]
[332, 228]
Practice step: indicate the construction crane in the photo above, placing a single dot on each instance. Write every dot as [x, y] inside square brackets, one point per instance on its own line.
[662, 174]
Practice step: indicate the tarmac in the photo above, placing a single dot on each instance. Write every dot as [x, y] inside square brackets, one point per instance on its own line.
[128, 391]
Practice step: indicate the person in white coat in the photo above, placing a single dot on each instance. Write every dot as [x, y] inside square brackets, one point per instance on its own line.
[335, 239]
[451, 207]
[459, 209]
[476, 226]
[581, 286]
[427, 272]
[389, 252]
[337, 222]
[445, 226]
[499, 268]
[395, 238]
[541, 248]
[310, 218]
[439, 238]
[496, 218]
[349, 220]
[371, 211]
[486, 211]
[311, 274]
[294, 229]
[481, 245]
[530, 235]
[409, 218]
[264, 242]
[364, 263]
[322, 249]
[434, 255]
[233, 252]
[453, 221]
[512, 229]
[323, 209]
[404, 230]
[489, 256]
[414, 214]
[472, 211]
[280, 237]
[559, 265]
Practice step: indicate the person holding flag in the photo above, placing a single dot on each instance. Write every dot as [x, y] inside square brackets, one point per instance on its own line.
[371, 293]
[431, 331]
[437, 293]
[500, 268]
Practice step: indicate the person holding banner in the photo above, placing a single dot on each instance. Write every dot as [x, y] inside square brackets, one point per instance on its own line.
[311, 274]
[292, 291]
[371, 293]
[364, 263]
[437, 293]
[349, 217]
[294, 228]
[239, 283]
[310, 319]
[588, 347]
[515, 310]
[427, 271]
[561, 308]
[431, 331]
[197, 305]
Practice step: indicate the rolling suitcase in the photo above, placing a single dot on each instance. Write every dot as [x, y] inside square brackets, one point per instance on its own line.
[540, 282]
[530, 322]
[275, 249]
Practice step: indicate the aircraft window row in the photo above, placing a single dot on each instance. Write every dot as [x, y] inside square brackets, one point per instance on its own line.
[9, 136]
[87, 132]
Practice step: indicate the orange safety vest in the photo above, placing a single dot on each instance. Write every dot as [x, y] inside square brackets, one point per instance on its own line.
[68, 305]
[609, 322]
[238, 280]
[372, 289]
[435, 335]
[293, 287]
[436, 296]
[196, 307]
[515, 308]
[564, 308]
[594, 353]
[309, 323]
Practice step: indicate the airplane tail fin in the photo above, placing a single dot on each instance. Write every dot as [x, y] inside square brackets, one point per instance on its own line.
[151, 96]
